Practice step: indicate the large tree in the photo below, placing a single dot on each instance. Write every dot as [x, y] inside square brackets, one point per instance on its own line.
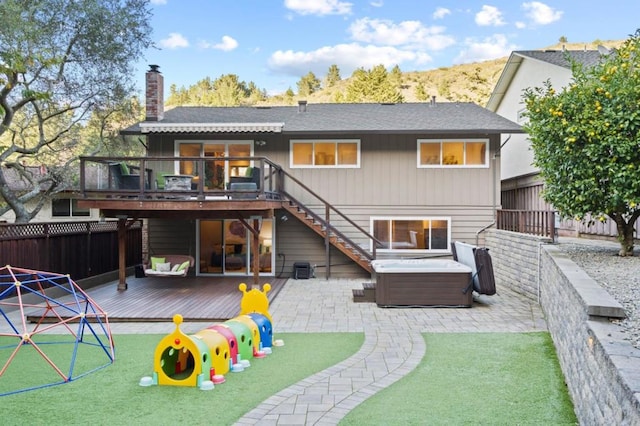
[59, 61]
[374, 85]
[586, 141]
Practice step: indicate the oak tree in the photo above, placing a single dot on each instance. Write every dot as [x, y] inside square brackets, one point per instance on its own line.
[60, 60]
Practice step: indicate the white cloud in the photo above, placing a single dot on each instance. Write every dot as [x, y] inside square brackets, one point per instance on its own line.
[227, 44]
[441, 12]
[158, 2]
[174, 41]
[540, 13]
[489, 16]
[521, 25]
[318, 7]
[379, 3]
[406, 33]
[348, 57]
[496, 46]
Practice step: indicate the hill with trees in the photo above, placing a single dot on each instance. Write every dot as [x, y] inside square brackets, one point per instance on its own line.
[472, 82]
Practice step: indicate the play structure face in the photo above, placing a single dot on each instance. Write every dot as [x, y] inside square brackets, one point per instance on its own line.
[41, 312]
[201, 358]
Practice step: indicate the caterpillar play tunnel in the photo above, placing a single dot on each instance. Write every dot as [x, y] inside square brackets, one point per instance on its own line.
[203, 358]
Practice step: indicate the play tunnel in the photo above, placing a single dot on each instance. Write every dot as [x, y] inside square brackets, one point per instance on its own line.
[203, 358]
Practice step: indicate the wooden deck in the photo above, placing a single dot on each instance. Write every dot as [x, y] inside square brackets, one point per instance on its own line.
[160, 298]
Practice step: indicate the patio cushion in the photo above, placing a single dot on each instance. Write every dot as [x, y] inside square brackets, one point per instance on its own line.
[155, 261]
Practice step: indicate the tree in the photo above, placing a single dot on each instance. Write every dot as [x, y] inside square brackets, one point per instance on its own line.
[372, 86]
[333, 76]
[308, 84]
[585, 140]
[421, 92]
[59, 61]
[395, 76]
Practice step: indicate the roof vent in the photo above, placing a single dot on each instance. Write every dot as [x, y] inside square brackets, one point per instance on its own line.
[302, 106]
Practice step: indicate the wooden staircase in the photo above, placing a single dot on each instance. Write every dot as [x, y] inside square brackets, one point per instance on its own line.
[336, 238]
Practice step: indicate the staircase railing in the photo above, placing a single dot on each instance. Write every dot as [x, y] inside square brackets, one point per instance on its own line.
[329, 210]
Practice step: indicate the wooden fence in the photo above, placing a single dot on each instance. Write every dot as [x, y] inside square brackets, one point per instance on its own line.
[80, 249]
[535, 222]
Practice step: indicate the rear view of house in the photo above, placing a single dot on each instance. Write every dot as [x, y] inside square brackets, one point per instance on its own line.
[258, 190]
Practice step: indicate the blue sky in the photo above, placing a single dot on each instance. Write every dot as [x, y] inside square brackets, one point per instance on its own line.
[275, 42]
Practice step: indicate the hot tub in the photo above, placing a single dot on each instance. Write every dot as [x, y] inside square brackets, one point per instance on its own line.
[422, 282]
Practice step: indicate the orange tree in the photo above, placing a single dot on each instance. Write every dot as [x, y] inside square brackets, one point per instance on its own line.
[586, 142]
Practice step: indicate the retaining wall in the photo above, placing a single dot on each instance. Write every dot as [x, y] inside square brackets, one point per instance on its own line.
[601, 369]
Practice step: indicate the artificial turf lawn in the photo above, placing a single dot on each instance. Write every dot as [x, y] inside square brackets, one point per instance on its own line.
[476, 379]
[112, 396]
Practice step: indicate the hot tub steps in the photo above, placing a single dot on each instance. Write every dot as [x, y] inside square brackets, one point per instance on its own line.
[365, 294]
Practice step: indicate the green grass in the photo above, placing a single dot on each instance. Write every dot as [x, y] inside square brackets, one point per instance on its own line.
[112, 395]
[464, 379]
[476, 379]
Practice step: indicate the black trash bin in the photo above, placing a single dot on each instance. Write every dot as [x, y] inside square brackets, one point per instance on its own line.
[301, 270]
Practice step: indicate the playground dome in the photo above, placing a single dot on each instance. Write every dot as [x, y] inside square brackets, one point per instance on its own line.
[51, 331]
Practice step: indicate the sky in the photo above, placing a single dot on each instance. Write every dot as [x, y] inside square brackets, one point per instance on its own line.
[273, 43]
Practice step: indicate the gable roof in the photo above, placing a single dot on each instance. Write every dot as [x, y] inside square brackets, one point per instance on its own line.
[425, 118]
[560, 58]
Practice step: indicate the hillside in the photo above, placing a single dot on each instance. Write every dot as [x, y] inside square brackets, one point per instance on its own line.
[471, 82]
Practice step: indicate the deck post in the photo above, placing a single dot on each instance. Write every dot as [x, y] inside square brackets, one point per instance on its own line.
[255, 253]
[122, 254]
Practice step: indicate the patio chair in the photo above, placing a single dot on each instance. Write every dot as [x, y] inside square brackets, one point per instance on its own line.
[122, 177]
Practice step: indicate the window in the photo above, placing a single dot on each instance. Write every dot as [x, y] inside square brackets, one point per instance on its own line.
[453, 153]
[330, 153]
[421, 234]
[67, 207]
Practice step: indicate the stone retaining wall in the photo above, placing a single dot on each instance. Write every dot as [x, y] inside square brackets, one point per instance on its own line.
[601, 369]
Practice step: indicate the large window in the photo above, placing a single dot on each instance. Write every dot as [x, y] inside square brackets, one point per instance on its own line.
[217, 170]
[67, 207]
[422, 234]
[343, 153]
[453, 153]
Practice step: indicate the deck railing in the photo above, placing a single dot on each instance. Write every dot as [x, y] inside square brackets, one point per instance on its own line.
[535, 222]
[149, 177]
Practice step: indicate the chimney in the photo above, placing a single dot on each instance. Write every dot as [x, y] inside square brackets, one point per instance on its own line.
[302, 106]
[154, 94]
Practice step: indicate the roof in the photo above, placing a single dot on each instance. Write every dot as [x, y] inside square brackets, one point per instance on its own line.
[560, 58]
[445, 117]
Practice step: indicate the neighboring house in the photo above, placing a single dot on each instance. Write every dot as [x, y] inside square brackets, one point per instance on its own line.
[63, 207]
[528, 69]
[521, 182]
[385, 179]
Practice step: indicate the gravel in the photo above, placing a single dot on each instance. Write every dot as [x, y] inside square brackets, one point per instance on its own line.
[620, 276]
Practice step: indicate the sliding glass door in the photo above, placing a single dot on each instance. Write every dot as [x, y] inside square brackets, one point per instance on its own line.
[225, 247]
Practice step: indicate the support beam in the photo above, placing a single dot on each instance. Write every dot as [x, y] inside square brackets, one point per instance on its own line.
[122, 254]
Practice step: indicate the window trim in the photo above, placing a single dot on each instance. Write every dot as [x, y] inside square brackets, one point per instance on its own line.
[292, 142]
[447, 219]
[457, 166]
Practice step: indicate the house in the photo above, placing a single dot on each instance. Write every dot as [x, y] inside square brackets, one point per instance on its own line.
[521, 183]
[321, 187]
[62, 207]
